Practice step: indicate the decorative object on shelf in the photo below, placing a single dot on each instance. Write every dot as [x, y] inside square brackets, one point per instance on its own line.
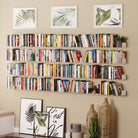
[91, 114]
[94, 132]
[57, 117]
[120, 41]
[24, 18]
[41, 123]
[74, 127]
[27, 113]
[107, 16]
[105, 120]
[64, 17]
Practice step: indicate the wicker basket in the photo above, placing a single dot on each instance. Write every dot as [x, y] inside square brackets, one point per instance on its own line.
[91, 114]
[105, 118]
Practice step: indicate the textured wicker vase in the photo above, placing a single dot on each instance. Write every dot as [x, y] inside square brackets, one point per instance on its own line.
[91, 114]
[105, 118]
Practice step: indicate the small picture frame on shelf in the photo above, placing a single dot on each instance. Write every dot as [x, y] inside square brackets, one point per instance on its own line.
[57, 117]
[27, 113]
[41, 123]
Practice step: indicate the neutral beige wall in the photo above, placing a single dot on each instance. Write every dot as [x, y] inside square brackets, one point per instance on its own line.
[126, 108]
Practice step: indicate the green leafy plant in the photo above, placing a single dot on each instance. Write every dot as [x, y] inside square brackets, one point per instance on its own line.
[40, 119]
[120, 38]
[94, 128]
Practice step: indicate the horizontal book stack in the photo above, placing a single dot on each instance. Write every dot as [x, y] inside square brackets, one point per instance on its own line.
[62, 40]
[24, 83]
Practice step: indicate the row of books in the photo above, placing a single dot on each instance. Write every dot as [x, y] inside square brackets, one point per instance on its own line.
[110, 88]
[104, 56]
[56, 55]
[75, 86]
[61, 85]
[23, 83]
[62, 40]
[69, 70]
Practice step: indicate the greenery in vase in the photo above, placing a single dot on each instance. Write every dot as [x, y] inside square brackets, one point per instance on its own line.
[94, 128]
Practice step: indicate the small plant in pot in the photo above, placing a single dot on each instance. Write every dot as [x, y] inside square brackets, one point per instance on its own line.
[94, 128]
[119, 40]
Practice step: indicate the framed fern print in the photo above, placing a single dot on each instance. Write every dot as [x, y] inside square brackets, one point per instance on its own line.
[27, 113]
[41, 123]
[64, 17]
[24, 18]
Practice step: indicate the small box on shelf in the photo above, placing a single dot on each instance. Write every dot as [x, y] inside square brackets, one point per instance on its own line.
[124, 76]
[124, 61]
[124, 44]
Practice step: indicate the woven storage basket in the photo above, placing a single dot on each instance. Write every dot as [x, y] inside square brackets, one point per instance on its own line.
[105, 118]
[91, 114]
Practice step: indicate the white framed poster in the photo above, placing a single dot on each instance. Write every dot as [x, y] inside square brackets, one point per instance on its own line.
[24, 18]
[56, 126]
[41, 123]
[107, 16]
[64, 17]
[27, 113]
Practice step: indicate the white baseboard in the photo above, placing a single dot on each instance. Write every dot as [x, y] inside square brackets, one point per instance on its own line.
[16, 129]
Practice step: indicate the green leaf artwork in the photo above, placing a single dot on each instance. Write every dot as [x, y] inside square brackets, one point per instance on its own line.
[108, 15]
[40, 123]
[64, 16]
[24, 17]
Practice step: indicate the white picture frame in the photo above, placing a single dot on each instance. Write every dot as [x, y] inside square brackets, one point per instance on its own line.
[108, 16]
[24, 18]
[28, 108]
[64, 17]
[41, 123]
[57, 117]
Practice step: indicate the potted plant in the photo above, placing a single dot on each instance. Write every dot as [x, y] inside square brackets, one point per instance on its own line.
[120, 41]
[94, 128]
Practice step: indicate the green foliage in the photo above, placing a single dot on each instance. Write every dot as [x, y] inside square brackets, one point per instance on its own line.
[40, 119]
[64, 17]
[25, 15]
[102, 16]
[94, 128]
[120, 38]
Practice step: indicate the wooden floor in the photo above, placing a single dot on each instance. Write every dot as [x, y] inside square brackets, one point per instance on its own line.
[17, 135]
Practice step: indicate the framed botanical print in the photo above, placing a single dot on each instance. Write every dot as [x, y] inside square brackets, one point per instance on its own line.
[27, 113]
[57, 117]
[24, 18]
[41, 123]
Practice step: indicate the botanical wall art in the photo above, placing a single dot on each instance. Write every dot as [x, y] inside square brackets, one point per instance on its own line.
[27, 113]
[64, 17]
[24, 18]
[56, 122]
[41, 123]
[108, 15]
